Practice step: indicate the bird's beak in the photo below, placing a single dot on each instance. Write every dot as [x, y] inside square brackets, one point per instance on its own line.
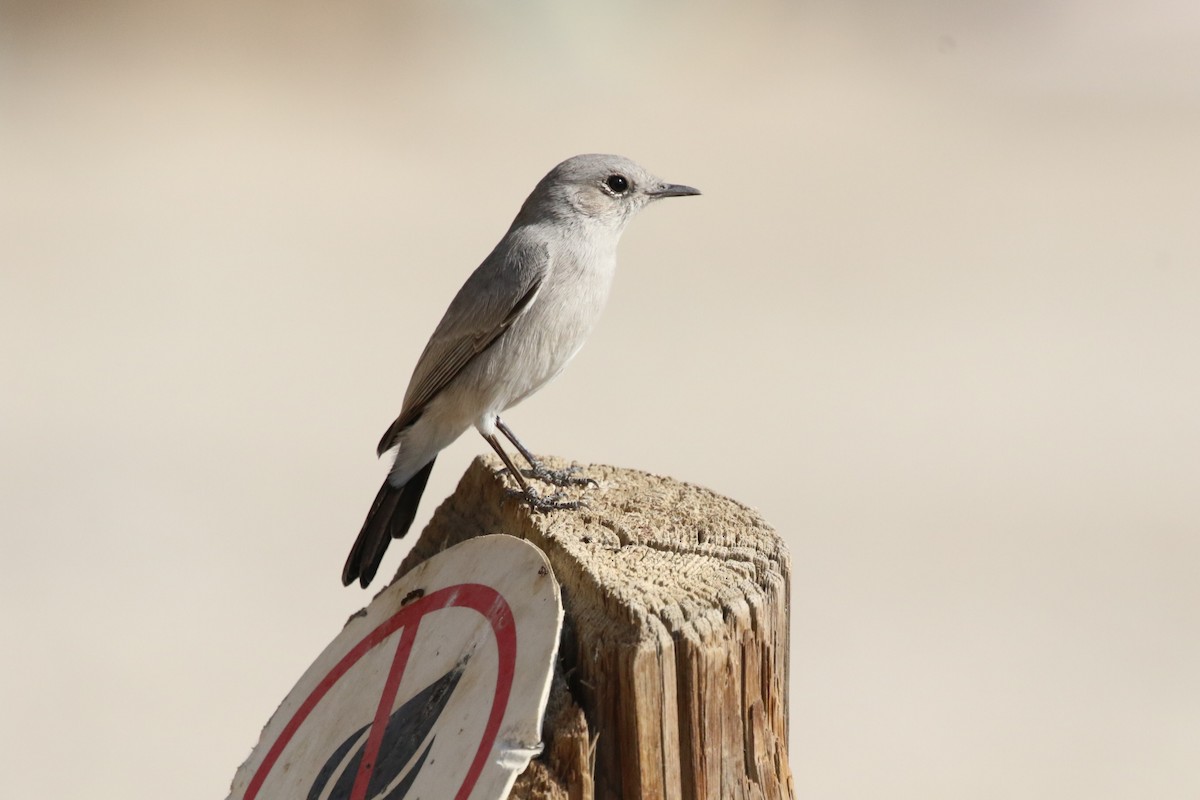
[671, 190]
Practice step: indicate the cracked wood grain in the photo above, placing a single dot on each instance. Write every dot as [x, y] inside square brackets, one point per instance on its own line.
[674, 662]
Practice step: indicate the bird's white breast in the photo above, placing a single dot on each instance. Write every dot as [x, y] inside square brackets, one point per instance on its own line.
[553, 329]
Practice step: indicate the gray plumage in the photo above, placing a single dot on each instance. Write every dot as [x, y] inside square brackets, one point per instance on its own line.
[513, 326]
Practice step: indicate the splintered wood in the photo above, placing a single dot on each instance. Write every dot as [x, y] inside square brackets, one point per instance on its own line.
[674, 659]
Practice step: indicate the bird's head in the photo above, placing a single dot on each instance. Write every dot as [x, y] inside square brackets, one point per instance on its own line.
[605, 190]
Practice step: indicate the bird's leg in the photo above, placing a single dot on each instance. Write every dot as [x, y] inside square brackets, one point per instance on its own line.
[538, 470]
[535, 501]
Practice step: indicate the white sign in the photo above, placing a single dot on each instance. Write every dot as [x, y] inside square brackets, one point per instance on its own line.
[435, 691]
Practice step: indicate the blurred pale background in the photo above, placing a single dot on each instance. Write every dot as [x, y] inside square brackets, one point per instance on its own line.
[936, 315]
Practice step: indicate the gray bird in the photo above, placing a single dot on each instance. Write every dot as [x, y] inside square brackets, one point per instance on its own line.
[514, 325]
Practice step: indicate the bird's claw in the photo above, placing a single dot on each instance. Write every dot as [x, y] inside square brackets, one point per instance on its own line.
[553, 502]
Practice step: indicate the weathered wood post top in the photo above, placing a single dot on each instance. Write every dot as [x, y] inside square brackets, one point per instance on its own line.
[673, 673]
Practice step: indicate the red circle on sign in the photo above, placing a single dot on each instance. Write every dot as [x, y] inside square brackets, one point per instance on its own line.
[475, 596]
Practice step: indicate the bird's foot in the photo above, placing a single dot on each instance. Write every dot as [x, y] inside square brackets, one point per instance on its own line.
[553, 502]
[559, 477]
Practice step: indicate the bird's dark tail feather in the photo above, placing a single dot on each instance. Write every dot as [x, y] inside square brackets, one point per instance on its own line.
[390, 517]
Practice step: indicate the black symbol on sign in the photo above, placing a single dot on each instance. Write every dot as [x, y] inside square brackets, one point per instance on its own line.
[398, 762]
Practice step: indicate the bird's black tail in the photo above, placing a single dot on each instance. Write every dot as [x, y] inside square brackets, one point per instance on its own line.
[390, 517]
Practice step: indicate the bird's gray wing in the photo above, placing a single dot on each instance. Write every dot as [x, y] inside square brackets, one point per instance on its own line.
[495, 295]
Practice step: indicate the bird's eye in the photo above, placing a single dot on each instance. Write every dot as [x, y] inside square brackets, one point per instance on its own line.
[619, 184]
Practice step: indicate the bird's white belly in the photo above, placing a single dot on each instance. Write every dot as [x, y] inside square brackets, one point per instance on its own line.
[541, 343]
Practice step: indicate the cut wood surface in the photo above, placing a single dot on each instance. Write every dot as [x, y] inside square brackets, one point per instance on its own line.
[674, 661]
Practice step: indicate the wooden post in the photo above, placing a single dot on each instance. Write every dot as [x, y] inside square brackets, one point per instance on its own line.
[673, 669]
